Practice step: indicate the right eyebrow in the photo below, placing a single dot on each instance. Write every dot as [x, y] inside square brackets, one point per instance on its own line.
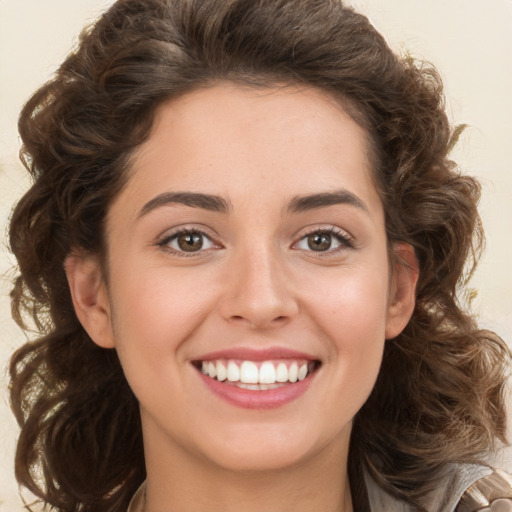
[323, 199]
[193, 199]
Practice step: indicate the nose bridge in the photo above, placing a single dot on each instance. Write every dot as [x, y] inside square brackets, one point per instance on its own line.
[258, 292]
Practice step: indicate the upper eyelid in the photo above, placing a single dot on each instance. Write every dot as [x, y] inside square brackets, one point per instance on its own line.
[345, 238]
[164, 243]
[335, 230]
[178, 230]
[211, 235]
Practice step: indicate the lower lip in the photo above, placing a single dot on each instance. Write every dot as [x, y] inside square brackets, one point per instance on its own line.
[258, 399]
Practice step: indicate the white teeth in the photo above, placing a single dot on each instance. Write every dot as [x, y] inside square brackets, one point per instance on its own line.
[233, 372]
[281, 373]
[257, 387]
[268, 373]
[249, 373]
[212, 371]
[293, 372]
[303, 371]
[243, 385]
[222, 373]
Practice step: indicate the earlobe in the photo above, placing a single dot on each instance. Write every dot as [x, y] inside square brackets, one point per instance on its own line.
[403, 289]
[90, 298]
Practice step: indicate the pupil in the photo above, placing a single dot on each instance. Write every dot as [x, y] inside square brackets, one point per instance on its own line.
[190, 242]
[319, 241]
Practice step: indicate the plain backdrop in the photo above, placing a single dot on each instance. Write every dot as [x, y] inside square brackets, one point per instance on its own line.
[469, 41]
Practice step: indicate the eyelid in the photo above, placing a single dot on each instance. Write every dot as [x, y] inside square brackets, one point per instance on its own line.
[346, 240]
[164, 240]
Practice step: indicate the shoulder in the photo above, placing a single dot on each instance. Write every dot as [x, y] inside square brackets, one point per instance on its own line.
[463, 488]
[138, 500]
[491, 493]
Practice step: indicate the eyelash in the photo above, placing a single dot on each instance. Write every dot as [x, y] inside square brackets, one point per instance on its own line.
[168, 239]
[345, 240]
[341, 236]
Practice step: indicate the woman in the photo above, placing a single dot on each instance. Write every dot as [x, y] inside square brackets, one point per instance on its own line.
[242, 249]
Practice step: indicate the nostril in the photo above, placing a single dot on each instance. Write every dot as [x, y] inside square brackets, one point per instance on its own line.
[240, 318]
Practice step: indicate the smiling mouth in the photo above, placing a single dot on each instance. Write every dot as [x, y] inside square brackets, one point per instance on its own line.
[257, 375]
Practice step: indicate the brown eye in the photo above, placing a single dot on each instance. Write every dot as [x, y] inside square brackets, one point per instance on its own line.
[319, 241]
[190, 242]
[330, 241]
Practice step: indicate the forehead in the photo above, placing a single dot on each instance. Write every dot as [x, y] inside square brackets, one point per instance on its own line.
[234, 140]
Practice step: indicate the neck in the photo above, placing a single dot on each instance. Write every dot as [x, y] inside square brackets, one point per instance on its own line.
[188, 484]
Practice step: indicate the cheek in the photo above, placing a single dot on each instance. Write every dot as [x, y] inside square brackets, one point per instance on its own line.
[153, 315]
[157, 304]
[350, 317]
[352, 302]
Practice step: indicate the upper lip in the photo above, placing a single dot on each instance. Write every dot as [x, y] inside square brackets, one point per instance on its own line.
[250, 354]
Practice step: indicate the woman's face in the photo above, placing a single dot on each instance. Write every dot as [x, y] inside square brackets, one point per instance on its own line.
[249, 245]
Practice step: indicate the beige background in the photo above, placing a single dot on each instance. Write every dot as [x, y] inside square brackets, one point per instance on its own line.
[470, 42]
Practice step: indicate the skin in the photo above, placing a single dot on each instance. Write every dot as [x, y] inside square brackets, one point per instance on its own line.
[256, 283]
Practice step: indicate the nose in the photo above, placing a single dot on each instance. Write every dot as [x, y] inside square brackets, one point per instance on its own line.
[257, 292]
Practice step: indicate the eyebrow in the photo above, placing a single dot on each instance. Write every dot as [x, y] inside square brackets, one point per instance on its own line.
[218, 204]
[311, 202]
[192, 199]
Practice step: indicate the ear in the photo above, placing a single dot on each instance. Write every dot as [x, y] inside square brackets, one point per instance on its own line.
[402, 298]
[90, 297]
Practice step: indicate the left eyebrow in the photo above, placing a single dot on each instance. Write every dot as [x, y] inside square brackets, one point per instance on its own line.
[311, 202]
[192, 199]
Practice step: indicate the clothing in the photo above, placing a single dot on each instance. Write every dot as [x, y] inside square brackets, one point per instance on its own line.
[137, 503]
[468, 488]
[455, 493]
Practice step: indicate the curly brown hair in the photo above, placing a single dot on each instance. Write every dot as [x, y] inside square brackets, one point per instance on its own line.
[439, 395]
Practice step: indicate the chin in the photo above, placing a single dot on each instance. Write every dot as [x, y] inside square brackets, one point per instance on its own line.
[271, 449]
[258, 459]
